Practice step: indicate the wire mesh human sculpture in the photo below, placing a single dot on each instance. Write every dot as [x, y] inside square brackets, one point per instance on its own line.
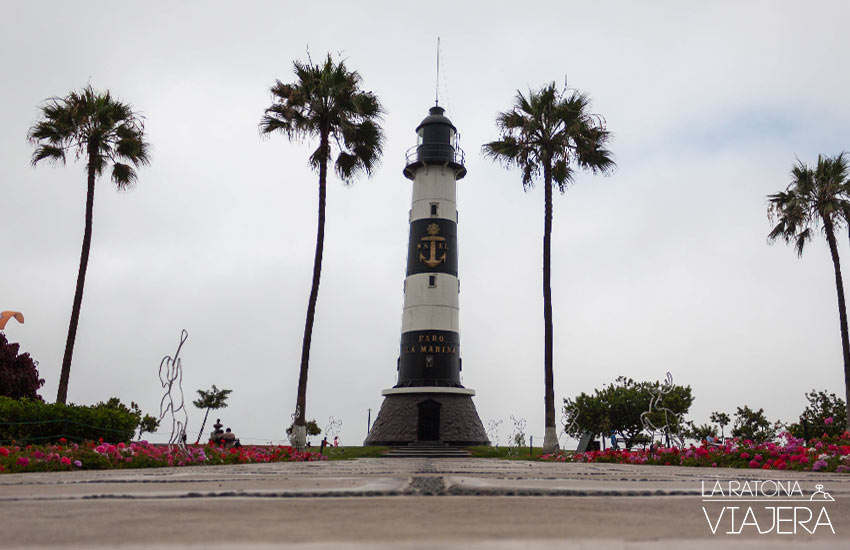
[517, 439]
[332, 431]
[493, 432]
[171, 378]
[566, 430]
[668, 430]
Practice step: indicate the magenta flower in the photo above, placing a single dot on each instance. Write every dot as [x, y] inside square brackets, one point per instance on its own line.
[828, 420]
[78, 464]
[23, 461]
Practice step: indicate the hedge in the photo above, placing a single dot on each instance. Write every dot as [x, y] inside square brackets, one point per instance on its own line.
[29, 421]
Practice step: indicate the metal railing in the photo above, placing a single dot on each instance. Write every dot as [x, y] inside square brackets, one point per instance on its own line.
[435, 153]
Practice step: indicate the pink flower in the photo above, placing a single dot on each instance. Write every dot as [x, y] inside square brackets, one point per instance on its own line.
[828, 420]
[755, 464]
[65, 460]
[745, 456]
[100, 449]
[23, 461]
[78, 464]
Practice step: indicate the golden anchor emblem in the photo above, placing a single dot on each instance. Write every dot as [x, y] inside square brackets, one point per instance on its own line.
[431, 243]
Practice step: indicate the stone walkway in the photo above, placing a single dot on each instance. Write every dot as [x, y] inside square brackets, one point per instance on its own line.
[407, 503]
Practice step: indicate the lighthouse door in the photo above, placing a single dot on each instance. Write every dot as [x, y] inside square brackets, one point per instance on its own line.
[429, 421]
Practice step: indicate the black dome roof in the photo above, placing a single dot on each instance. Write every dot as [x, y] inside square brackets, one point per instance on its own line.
[436, 116]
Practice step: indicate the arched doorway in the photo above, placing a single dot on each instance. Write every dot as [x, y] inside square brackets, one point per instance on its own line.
[429, 421]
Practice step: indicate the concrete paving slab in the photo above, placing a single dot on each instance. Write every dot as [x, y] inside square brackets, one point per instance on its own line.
[388, 503]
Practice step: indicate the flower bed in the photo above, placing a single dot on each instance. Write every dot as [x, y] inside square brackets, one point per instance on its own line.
[826, 454]
[65, 456]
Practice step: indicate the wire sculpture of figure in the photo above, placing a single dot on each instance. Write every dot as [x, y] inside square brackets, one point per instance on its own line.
[493, 432]
[517, 437]
[171, 371]
[567, 430]
[655, 406]
[332, 430]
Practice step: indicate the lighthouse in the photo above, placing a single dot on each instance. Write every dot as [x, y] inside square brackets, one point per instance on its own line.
[428, 403]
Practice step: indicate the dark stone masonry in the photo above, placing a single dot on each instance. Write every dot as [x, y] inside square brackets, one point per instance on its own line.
[398, 421]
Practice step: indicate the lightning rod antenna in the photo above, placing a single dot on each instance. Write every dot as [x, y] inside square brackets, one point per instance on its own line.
[437, 84]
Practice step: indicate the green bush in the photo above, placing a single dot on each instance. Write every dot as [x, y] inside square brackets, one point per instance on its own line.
[30, 421]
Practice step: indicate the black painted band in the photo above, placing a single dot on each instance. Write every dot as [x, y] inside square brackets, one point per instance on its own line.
[429, 358]
[432, 247]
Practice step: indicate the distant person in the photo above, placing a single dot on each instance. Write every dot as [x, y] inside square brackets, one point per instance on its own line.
[336, 441]
[228, 438]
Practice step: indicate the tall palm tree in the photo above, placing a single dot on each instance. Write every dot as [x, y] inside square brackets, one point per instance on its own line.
[550, 132]
[104, 131]
[326, 102]
[817, 198]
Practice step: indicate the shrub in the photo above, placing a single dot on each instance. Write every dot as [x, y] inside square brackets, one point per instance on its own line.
[618, 408]
[18, 372]
[825, 414]
[753, 425]
[32, 421]
[312, 428]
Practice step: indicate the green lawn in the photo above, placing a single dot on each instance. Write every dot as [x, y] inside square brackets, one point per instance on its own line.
[348, 453]
[522, 453]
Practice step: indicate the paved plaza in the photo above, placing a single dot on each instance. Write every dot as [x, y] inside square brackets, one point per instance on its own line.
[401, 503]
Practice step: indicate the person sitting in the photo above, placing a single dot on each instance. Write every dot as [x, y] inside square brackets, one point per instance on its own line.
[229, 440]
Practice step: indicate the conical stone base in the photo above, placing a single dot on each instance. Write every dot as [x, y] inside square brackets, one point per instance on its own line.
[400, 420]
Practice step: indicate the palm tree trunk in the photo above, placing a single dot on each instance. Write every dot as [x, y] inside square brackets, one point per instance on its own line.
[204, 423]
[299, 429]
[842, 310]
[62, 394]
[550, 439]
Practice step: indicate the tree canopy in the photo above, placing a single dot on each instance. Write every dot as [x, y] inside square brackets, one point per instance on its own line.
[825, 414]
[18, 372]
[212, 399]
[617, 408]
[753, 425]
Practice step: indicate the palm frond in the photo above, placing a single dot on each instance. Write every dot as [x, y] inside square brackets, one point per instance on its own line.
[123, 175]
[816, 197]
[93, 125]
[554, 129]
[326, 101]
[50, 152]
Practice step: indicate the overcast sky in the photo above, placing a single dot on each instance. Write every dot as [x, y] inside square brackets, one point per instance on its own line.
[663, 266]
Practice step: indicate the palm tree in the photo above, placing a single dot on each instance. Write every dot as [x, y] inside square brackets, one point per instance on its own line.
[104, 131]
[326, 102]
[213, 399]
[817, 198]
[552, 132]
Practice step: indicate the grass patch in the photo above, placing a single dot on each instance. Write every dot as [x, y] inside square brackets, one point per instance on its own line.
[349, 453]
[506, 453]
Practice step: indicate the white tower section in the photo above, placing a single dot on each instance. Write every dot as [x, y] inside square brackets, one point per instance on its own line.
[431, 298]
